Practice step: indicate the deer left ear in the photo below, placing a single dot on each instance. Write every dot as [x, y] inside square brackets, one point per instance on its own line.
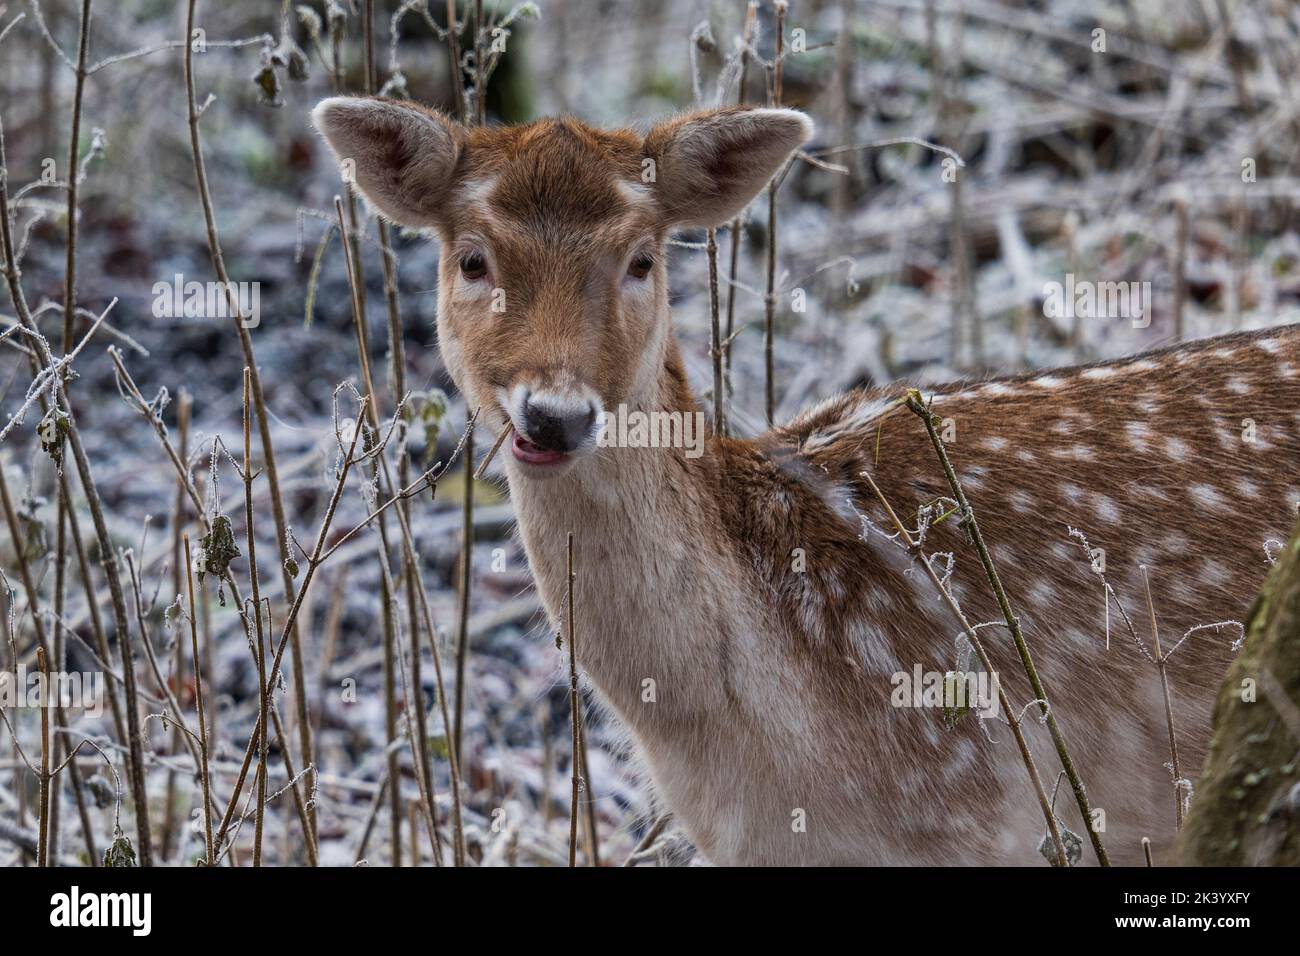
[401, 156]
[710, 164]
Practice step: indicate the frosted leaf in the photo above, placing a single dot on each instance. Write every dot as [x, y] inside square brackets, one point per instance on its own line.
[1073, 847]
[311, 21]
[268, 85]
[120, 854]
[100, 791]
[51, 431]
[218, 550]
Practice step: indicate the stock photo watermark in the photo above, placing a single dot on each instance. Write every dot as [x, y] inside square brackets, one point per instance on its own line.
[1098, 300]
[23, 688]
[636, 429]
[75, 909]
[951, 690]
[179, 299]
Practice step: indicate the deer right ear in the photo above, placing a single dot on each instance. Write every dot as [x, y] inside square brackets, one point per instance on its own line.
[713, 162]
[401, 156]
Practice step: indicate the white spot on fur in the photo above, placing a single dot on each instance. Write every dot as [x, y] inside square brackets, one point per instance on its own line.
[1005, 556]
[1139, 435]
[1079, 453]
[1078, 638]
[1207, 496]
[1106, 508]
[995, 443]
[1042, 594]
[1214, 573]
[1238, 386]
[1098, 373]
[1177, 449]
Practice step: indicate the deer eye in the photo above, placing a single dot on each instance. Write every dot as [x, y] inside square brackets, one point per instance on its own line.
[640, 266]
[473, 265]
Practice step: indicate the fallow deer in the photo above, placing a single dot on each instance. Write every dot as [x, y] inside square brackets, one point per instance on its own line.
[770, 732]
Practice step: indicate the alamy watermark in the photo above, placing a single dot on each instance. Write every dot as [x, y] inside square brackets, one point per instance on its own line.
[133, 911]
[951, 690]
[1098, 300]
[179, 299]
[24, 688]
[636, 429]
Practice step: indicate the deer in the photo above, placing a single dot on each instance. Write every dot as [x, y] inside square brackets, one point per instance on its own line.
[744, 612]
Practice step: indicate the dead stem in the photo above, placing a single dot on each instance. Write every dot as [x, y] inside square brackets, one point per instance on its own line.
[408, 550]
[453, 50]
[313, 562]
[43, 839]
[1161, 662]
[466, 569]
[496, 445]
[415, 742]
[715, 335]
[972, 634]
[747, 40]
[178, 659]
[969, 523]
[651, 835]
[255, 380]
[205, 778]
[386, 577]
[592, 833]
[259, 651]
[575, 710]
[769, 297]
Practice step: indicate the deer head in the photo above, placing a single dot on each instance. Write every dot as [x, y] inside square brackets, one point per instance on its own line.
[553, 297]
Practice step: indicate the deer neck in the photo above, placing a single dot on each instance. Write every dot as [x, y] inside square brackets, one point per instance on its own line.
[650, 552]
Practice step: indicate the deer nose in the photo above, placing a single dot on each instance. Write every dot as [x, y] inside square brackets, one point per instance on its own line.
[555, 424]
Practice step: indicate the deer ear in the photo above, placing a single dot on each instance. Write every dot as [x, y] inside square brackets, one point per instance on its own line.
[402, 156]
[710, 164]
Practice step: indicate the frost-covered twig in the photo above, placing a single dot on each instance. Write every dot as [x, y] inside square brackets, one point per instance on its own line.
[968, 522]
[1026, 756]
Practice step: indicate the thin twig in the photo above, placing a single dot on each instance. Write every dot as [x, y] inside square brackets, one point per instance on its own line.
[506, 429]
[1169, 707]
[255, 379]
[972, 635]
[1013, 623]
[575, 710]
[769, 297]
[205, 778]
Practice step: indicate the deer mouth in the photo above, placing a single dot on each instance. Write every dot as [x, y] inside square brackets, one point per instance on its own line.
[531, 453]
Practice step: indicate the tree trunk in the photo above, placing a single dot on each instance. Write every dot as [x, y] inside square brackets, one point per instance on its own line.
[1246, 811]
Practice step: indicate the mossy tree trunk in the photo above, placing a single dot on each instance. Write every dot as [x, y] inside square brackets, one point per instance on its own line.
[1246, 811]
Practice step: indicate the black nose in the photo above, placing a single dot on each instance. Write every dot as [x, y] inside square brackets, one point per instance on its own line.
[555, 427]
